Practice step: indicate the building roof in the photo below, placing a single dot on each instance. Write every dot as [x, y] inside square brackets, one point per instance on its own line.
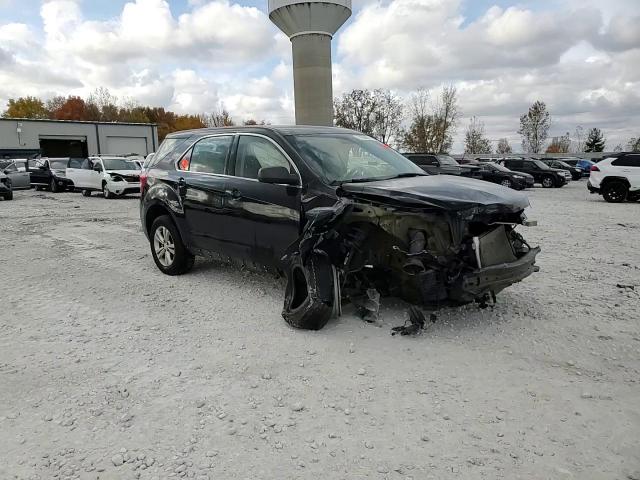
[77, 121]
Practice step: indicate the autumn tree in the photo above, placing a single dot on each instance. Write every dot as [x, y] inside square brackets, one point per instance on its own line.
[446, 118]
[475, 140]
[388, 116]
[187, 122]
[560, 144]
[432, 124]
[503, 147]
[420, 136]
[595, 141]
[25, 107]
[534, 127]
[218, 118]
[356, 110]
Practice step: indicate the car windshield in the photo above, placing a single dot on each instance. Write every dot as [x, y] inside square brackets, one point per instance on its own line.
[346, 157]
[58, 164]
[541, 164]
[563, 164]
[447, 160]
[118, 164]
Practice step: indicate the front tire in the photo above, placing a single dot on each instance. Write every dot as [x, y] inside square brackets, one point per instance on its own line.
[53, 186]
[547, 182]
[86, 193]
[506, 183]
[169, 253]
[106, 192]
[310, 294]
[8, 196]
[615, 192]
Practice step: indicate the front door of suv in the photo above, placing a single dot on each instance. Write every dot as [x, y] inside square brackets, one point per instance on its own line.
[264, 217]
[201, 180]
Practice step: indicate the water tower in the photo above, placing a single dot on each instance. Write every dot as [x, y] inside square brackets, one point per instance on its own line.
[310, 26]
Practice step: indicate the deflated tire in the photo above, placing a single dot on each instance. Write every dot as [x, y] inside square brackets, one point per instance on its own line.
[309, 295]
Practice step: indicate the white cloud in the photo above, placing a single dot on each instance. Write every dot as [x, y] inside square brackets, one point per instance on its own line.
[582, 57]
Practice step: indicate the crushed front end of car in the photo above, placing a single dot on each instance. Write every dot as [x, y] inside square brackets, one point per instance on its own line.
[434, 241]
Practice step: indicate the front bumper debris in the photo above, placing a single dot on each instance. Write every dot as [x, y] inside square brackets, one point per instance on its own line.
[496, 278]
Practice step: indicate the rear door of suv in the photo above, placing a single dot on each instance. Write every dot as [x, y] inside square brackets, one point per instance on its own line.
[201, 184]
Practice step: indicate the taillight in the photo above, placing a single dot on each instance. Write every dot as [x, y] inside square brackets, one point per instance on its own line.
[594, 168]
[143, 182]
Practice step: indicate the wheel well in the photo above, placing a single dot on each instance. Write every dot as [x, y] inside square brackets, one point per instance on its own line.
[608, 180]
[154, 212]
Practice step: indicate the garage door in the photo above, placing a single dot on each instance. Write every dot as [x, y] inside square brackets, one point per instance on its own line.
[123, 145]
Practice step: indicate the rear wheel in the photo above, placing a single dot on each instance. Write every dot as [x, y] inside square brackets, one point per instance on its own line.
[615, 192]
[547, 181]
[169, 253]
[53, 186]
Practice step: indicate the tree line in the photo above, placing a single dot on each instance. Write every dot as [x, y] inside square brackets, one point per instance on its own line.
[102, 106]
[425, 122]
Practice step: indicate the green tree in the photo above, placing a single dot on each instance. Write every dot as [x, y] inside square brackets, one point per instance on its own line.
[534, 127]
[26, 107]
[356, 110]
[595, 141]
[475, 140]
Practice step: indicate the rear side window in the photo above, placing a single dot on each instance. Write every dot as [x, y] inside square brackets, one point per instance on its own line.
[75, 163]
[255, 153]
[11, 168]
[627, 161]
[209, 155]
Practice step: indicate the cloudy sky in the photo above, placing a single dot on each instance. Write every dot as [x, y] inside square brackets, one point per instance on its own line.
[582, 57]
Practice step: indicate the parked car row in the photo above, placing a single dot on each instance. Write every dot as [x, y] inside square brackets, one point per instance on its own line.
[517, 173]
[111, 175]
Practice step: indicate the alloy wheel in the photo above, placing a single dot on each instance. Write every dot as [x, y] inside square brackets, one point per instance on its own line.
[164, 246]
[506, 183]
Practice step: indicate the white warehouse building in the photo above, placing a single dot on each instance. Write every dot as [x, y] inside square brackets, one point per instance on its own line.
[20, 138]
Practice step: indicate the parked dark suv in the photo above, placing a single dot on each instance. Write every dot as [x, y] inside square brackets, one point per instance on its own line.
[49, 173]
[543, 174]
[435, 164]
[339, 212]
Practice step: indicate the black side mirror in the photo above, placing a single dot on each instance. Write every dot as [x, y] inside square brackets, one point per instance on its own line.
[277, 175]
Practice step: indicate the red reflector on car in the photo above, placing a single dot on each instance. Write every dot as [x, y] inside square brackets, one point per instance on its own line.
[594, 168]
[143, 181]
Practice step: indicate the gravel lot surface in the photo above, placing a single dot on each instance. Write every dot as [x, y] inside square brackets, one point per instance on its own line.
[111, 370]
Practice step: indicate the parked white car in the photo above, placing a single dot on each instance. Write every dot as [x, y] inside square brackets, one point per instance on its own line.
[616, 178]
[113, 176]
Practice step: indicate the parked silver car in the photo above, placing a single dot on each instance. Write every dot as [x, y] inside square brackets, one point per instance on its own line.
[20, 179]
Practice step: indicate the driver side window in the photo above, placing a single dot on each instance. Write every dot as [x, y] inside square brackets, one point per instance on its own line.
[255, 153]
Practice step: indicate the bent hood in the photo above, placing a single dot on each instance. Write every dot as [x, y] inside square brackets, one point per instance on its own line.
[440, 191]
[126, 173]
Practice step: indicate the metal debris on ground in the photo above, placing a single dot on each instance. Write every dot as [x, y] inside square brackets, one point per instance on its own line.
[416, 323]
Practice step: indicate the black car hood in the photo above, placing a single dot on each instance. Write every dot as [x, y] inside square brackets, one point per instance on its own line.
[441, 191]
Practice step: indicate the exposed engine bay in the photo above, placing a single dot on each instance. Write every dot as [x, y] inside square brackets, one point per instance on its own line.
[428, 253]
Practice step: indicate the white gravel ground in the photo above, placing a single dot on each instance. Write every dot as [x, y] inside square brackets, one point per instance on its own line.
[111, 370]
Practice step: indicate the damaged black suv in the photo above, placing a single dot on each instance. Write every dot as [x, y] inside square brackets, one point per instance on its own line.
[338, 212]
